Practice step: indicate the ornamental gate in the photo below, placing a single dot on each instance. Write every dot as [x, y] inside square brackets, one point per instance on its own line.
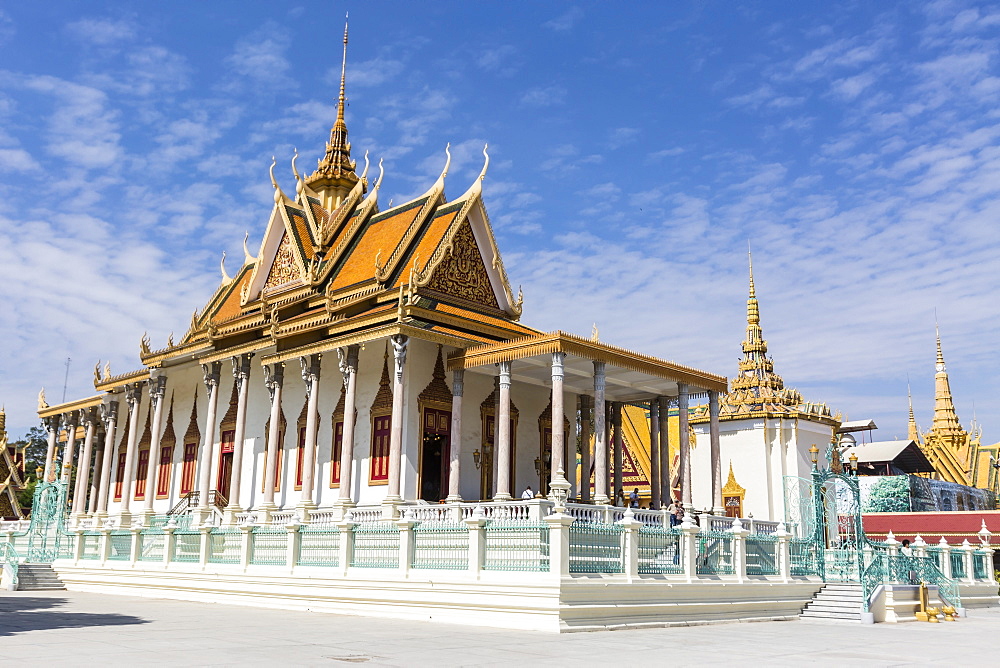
[48, 515]
[827, 509]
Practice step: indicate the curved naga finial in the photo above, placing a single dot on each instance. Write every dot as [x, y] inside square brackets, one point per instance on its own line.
[222, 267]
[364, 172]
[278, 195]
[447, 164]
[247, 257]
[381, 173]
[97, 372]
[486, 165]
[299, 183]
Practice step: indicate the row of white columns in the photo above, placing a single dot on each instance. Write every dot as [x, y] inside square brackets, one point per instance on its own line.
[210, 451]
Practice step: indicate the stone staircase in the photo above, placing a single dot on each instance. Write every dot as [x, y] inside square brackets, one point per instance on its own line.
[842, 601]
[37, 577]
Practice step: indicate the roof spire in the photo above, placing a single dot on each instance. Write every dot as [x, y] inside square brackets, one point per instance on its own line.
[911, 432]
[334, 176]
[945, 417]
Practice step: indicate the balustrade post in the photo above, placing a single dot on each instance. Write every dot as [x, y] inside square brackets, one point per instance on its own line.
[136, 549]
[104, 546]
[739, 550]
[558, 544]
[294, 529]
[630, 545]
[945, 557]
[405, 525]
[689, 546]
[988, 558]
[204, 545]
[78, 548]
[783, 552]
[246, 545]
[477, 541]
[346, 546]
[968, 552]
[919, 547]
[169, 542]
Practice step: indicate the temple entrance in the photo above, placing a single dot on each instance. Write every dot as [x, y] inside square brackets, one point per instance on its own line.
[826, 509]
[48, 515]
[434, 454]
[225, 473]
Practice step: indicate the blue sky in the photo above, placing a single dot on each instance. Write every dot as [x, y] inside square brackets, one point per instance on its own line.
[636, 148]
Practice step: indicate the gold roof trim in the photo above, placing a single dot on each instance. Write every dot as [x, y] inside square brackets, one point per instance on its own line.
[529, 346]
[59, 409]
[221, 355]
[732, 488]
[110, 382]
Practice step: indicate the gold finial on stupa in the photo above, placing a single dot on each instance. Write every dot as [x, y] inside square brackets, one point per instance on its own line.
[911, 433]
[334, 176]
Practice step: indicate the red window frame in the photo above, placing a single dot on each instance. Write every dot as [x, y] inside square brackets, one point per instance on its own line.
[187, 470]
[381, 431]
[119, 476]
[163, 475]
[338, 449]
[300, 456]
[141, 473]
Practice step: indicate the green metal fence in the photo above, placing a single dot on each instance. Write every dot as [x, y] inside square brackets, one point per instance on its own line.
[91, 548]
[660, 550]
[979, 566]
[958, 565]
[595, 547]
[121, 545]
[900, 569]
[225, 546]
[376, 545]
[187, 546]
[762, 554]
[440, 545]
[9, 556]
[715, 553]
[268, 546]
[516, 547]
[320, 546]
[67, 546]
[804, 556]
[152, 542]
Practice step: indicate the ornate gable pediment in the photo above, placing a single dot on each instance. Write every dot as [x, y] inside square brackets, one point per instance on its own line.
[462, 271]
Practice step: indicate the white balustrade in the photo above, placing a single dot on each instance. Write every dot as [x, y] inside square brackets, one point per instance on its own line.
[365, 514]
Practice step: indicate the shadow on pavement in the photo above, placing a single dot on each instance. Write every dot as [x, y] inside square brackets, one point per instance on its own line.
[20, 614]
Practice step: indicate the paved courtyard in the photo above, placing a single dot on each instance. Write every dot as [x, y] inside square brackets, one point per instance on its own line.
[71, 628]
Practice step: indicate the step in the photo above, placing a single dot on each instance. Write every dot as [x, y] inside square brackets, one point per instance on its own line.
[836, 604]
[832, 610]
[845, 599]
[826, 615]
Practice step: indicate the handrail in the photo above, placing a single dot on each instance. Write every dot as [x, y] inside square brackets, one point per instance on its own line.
[10, 559]
[886, 568]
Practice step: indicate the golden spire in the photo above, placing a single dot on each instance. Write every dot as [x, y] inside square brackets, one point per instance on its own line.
[912, 433]
[334, 176]
[945, 417]
[756, 387]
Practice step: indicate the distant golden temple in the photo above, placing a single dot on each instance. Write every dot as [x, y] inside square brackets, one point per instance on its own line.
[956, 454]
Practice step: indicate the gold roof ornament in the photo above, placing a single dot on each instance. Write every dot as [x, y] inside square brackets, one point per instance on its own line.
[732, 488]
[757, 389]
[42, 404]
[335, 171]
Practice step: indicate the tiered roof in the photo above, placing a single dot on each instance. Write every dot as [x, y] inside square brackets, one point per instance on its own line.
[333, 269]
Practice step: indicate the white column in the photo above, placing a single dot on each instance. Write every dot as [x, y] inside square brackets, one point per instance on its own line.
[69, 450]
[502, 453]
[455, 451]
[211, 376]
[600, 437]
[585, 417]
[349, 368]
[685, 444]
[274, 376]
[110, 415]
[83, 467]
[616, 422]
[157, 391]
[310, 375]
[558, 485]
[654, 453]
[666, 493]
[713, 431]
[399, 346]
[241, 376]
[95, 479]
[52, 425]
[133, 397]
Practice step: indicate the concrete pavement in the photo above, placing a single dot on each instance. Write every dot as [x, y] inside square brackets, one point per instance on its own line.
[75, 628]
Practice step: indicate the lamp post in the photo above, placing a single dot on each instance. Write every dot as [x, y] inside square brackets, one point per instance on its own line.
[853, 459]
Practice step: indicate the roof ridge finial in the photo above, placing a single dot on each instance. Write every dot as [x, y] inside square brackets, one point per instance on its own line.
[911, 426]
[753, 294]
[343, 76]
[937, 336]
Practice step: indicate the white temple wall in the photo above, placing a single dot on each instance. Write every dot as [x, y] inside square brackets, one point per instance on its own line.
[762, 453]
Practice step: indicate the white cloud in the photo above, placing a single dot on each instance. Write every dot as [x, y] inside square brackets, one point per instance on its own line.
[102, 32]
[544, 96]
[565, 21]
[16, 160]
[261, 58]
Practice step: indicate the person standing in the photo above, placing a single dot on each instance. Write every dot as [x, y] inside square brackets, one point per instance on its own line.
[633, 498]
[527, 493]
